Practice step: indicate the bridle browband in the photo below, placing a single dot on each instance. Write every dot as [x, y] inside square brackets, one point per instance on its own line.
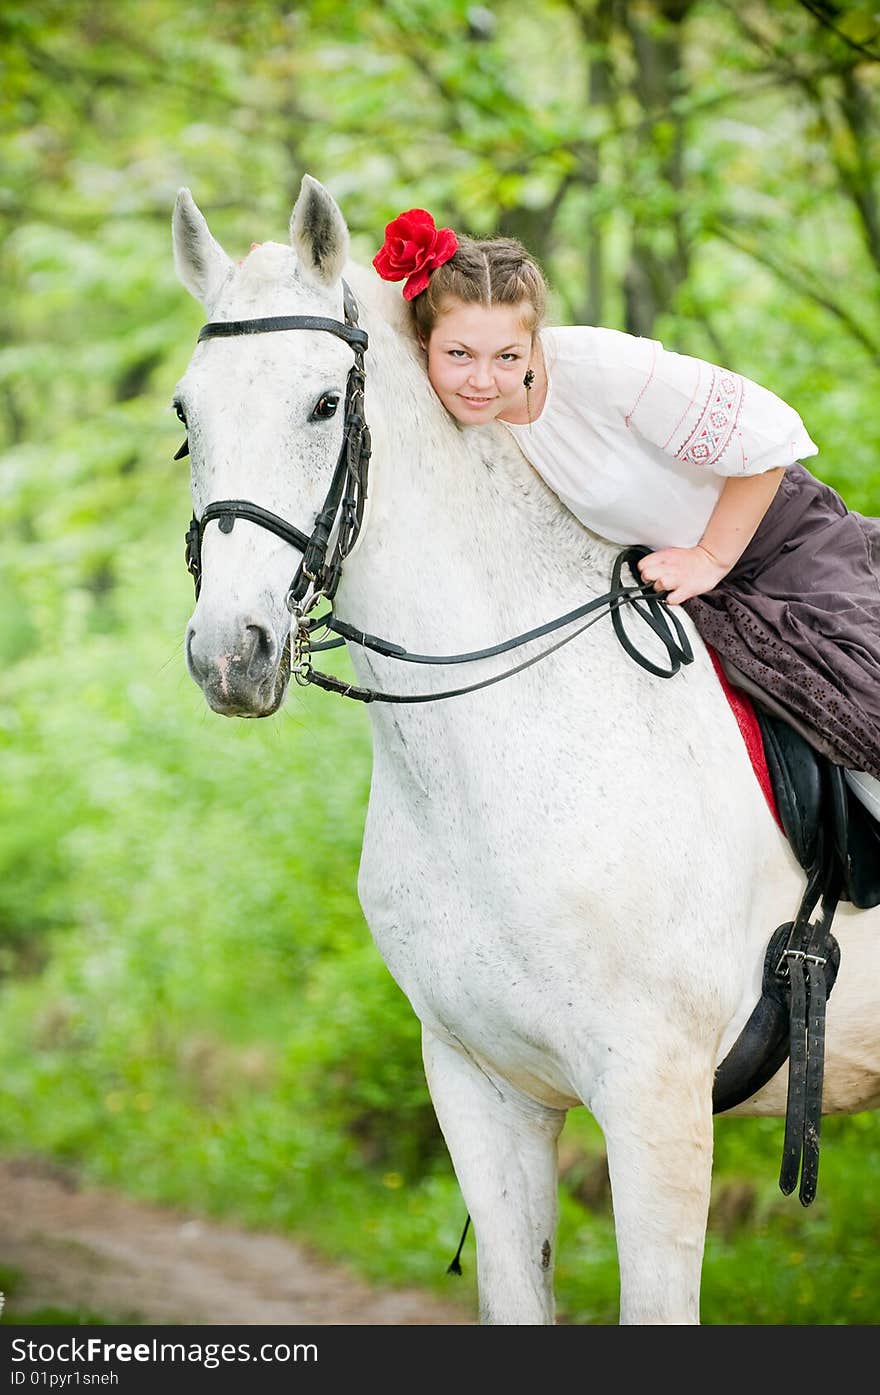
[343, 509]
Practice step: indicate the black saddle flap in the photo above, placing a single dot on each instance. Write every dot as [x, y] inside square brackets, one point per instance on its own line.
[812, 795]
[797, 784]
[857, 843]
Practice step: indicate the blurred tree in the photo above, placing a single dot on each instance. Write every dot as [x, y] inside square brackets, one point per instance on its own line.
[581, 126]
[701, 170]
[828, 67]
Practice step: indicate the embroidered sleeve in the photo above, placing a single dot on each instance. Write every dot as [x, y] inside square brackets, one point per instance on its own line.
[699, 414]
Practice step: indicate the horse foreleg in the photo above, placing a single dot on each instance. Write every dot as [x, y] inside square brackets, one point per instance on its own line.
[657, 1122]
[503, 1149]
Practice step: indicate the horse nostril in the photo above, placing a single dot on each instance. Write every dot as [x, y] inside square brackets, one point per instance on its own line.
[197, 667]
[263, 651]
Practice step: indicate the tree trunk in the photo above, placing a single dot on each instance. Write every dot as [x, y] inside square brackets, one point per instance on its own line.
[660, 256]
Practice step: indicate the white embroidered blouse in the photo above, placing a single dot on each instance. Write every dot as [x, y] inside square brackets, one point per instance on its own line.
[637, 440]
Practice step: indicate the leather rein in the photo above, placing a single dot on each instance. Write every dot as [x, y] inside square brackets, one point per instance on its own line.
[318, 574]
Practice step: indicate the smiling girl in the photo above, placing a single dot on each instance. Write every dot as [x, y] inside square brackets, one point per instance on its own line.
[699, 464]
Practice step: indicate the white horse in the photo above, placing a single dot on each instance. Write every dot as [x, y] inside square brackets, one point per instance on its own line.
[572, 874]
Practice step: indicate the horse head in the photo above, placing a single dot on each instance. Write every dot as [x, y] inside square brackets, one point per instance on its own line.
[265, 417]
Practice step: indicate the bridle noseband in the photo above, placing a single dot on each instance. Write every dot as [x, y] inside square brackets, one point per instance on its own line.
[347, 494]
[317, 577]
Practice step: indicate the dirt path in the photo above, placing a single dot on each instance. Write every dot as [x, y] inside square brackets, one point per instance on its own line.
[129, 1262]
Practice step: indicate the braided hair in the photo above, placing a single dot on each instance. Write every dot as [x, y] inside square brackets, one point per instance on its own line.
[483, 271]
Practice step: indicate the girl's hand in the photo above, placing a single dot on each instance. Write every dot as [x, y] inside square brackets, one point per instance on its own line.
[683, 572]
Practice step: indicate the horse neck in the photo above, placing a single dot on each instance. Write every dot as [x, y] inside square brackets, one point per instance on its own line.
[463, 542]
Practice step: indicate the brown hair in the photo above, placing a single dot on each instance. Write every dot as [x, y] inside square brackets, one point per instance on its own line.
[485, 271]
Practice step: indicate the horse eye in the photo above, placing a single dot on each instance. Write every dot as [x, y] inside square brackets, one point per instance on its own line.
[180, 412]
[325, 407]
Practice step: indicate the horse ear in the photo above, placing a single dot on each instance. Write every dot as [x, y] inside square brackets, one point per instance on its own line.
[201, 263]
[318, 233]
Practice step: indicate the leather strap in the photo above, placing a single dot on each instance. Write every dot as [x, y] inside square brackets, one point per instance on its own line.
[797, 1076]
[228, 329]
[816, 996]
[808, 967]
[397, 651]
[655, 614]
[350, 690]
[225, 510]
[601, 605]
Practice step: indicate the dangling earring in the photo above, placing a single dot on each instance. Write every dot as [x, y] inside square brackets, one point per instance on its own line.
[527, 383]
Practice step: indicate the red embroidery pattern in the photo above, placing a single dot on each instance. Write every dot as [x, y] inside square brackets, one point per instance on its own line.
[647, 383]
[710, 437]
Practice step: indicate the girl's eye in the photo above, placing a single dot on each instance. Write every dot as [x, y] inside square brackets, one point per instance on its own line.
[325, 407]
[457, 353]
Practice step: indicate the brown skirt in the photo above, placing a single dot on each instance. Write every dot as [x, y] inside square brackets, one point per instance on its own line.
[798, 619]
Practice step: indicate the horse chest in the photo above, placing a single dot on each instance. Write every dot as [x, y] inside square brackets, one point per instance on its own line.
[517, 994]
[509, 935]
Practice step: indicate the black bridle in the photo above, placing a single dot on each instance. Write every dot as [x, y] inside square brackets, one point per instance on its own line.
[317, 576]
[348, 488]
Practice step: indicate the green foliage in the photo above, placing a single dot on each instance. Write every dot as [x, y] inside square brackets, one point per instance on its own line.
[193, 1008]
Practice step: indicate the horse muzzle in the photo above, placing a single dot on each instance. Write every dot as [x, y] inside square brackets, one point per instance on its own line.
[243, 674]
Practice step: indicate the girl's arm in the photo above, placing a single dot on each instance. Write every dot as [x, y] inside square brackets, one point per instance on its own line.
[685, 572]
[701, 418]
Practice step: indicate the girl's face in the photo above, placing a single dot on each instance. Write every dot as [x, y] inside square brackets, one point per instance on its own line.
[477, 358]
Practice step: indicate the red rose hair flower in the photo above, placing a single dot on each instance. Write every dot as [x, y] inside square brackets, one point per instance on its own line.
[414, 247]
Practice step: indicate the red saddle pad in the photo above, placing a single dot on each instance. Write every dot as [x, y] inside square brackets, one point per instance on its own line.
[744, 711]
